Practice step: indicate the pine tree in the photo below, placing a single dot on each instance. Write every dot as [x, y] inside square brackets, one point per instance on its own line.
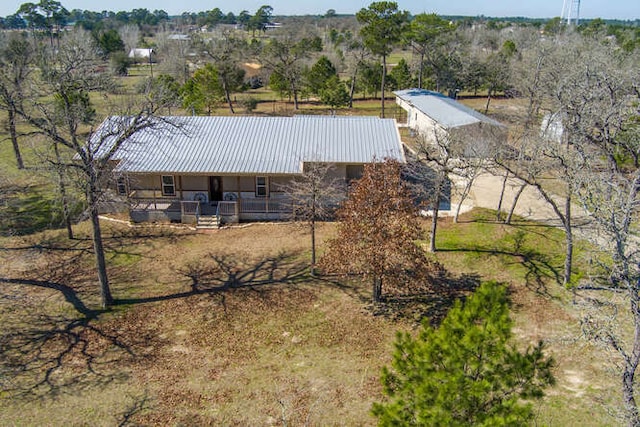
[465, 372]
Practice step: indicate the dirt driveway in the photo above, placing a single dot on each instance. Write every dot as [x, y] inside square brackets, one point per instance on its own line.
[486, 190]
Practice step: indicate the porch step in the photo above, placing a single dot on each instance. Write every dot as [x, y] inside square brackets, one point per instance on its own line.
[207, 222]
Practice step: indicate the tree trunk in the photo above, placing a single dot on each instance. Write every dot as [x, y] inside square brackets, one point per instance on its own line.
[227, 95]
[486, 108]
[98, 247]
[14, 138]
[515, 202]
[434, 219]
[504, 186]
[377, 289]
[463, 197]
[421, 69]
[352, 89]
[313, 246]
[66, 215]
[295, 98]
[569, 242]
[630, 367]
[384, 78]
[565, 219]
[631, 408]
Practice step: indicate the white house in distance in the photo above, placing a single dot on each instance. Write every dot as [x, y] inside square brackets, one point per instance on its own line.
[141, 54]
[430, 113]
[234, 168]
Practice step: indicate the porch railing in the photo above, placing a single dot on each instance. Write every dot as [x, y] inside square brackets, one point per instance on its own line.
[155, 204]
[223, 208]
[190, 208]
[226, 208]
[189, 211]
[265, 205]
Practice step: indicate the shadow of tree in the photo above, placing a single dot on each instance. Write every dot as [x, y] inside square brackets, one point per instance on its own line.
[539, 267]
[138, 404]
[215, 273]
[432, 302]
[48, 347]
[44, 354]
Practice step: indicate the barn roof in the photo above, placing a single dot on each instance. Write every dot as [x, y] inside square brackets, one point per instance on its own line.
[444, 110]
[253, 145]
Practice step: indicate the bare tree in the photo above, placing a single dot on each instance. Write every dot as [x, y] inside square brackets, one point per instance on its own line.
[130, 35]
[314, 197]
[285, 58]
[454, 153]
[61, 111]
[355, 55]
[613, 201]
[173, 57]
[607, 101]
[437, 152]
[16, 55]
[225, 53]
[560, 86]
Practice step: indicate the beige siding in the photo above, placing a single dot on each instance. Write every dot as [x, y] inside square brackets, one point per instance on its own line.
[276, 183]
[144, 182]
[229, 183]
[195, 183]
[247, 183]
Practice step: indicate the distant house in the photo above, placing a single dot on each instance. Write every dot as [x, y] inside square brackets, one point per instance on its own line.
[180, 37]
[431, 113]
[142, 54]
[235, 168]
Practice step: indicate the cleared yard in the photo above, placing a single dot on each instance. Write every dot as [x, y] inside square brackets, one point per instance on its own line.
[259, 342]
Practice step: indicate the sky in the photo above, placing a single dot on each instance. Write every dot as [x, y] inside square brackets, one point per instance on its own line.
[607, 9]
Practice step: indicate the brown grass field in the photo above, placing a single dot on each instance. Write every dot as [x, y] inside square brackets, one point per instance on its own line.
[259, 342]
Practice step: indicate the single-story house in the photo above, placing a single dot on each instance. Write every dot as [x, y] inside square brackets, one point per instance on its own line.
[235, 168]
[432, 114]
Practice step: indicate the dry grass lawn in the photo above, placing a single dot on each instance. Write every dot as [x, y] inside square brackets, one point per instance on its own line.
[260, 343]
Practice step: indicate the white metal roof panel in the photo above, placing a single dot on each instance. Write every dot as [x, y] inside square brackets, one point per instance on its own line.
[444, 110]
[255, 145]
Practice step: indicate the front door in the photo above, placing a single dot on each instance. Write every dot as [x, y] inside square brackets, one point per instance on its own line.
[215, 188]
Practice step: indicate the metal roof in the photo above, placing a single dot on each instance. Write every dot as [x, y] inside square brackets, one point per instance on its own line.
[444, 110]
[253, 145]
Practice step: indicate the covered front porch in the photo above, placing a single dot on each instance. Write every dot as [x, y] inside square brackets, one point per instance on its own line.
[224, 211]
[189, 198]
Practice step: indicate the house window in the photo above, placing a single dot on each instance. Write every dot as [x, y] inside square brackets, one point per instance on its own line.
[262, 186]
[121, 185]
[168, 185]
